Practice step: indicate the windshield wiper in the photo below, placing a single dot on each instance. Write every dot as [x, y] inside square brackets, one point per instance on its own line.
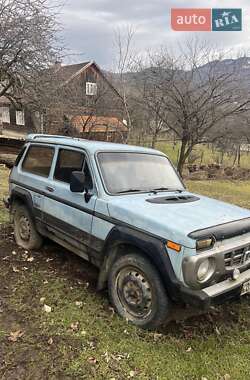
[129, 191]
[166, 189]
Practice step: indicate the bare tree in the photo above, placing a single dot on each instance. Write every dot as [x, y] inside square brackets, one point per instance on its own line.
[196, 95]
[28, 45]
[124, 62]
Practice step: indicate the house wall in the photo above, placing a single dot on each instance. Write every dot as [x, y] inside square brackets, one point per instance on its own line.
[14, 121]
[73, 101]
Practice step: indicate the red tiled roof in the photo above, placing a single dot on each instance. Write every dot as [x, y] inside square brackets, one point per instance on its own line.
[85, 123]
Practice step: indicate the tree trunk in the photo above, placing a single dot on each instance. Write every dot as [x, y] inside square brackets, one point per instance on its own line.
[235, 157]
[222, 157]
[154, 140]
[239, 156]
[185, 152]
[182, 157]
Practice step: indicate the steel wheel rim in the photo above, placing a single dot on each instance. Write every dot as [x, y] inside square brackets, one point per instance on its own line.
[24, 228]
[134, 292]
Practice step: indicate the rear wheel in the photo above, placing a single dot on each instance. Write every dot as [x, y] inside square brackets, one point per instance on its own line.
[25, 231]
[137, 292]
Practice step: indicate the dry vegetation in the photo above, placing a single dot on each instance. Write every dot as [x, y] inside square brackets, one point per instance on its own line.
[82, 338]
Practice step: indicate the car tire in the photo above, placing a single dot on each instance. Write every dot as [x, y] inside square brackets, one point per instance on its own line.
[137, 293]
[25, 232]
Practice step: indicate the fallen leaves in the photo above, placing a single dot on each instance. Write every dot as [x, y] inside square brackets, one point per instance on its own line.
[74, 326]
[157, 337]
[42, 300]
[5, 258]
[14, 336]
[47, 308]
[92, 360]
[79, 303]
[132, 374]
[50, 341]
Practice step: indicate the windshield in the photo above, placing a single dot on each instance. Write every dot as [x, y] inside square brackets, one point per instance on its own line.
[134, 172]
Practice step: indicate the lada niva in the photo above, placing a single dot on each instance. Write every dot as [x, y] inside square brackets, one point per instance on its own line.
[127, 211]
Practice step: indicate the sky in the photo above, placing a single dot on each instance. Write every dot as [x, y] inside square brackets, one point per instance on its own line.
[89, 27]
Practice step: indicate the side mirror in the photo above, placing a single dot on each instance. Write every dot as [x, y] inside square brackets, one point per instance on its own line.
[77, 182]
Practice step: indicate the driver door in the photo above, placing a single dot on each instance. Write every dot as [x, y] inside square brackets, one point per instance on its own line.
[68, 216]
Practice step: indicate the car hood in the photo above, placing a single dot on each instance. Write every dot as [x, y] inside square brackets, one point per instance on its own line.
[173, 221]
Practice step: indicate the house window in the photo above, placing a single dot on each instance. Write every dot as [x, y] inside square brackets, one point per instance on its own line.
[5, 114]
[91, 88]
[20, 117]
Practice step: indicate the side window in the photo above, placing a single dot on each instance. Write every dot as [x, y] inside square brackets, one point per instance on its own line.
[38, 160]
[20, 155]
[68, 161]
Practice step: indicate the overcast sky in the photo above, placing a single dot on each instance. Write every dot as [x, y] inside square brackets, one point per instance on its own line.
[89, 25]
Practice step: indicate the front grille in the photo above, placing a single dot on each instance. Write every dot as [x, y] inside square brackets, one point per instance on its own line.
[237, 257]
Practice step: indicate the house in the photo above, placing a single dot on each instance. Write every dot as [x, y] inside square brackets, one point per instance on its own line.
[102, 128]
[10, 117]
[79, 90]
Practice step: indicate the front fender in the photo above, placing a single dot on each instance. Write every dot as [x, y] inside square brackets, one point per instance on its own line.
[149, 245]
[21, 195]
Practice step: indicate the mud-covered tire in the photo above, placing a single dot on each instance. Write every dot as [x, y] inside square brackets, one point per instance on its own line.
[137, 293]
[25, 232]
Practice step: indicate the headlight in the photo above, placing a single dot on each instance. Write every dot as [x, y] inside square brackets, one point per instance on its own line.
[205, 270]
[204, 243]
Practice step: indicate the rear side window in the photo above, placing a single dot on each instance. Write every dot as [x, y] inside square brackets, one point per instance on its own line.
[38, 160]
[20, 155]
[68, 161]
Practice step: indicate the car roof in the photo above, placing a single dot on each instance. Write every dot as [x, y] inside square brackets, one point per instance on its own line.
[91, 146]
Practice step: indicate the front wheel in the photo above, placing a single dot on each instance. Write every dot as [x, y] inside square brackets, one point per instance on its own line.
[137, 292]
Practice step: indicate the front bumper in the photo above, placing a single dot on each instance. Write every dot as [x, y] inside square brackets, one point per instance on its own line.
[215, 294]
[228, 285]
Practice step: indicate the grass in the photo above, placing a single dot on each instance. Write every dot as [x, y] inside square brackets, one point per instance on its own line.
[209, 156]
[4, 174]
[237, 192]
[89, 341]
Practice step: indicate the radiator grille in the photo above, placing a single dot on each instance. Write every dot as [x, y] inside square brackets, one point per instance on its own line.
[237, 257]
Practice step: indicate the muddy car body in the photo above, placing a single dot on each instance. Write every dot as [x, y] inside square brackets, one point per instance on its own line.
[126, 210]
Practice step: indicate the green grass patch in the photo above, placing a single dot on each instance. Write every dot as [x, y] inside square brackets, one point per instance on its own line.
[237, 192]
[208, 155]
[82, 338]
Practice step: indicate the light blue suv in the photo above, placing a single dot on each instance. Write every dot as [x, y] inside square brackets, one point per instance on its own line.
[126, 210]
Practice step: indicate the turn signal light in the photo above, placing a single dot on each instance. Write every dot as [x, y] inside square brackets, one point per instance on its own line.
[175, 246]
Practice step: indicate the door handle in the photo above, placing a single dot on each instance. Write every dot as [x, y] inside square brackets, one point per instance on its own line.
[50, 189]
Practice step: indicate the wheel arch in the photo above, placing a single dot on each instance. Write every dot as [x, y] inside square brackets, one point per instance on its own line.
[123, 239]
[21, 196]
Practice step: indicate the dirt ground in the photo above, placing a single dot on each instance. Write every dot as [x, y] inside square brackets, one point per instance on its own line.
[23, 356]
[82, 338]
